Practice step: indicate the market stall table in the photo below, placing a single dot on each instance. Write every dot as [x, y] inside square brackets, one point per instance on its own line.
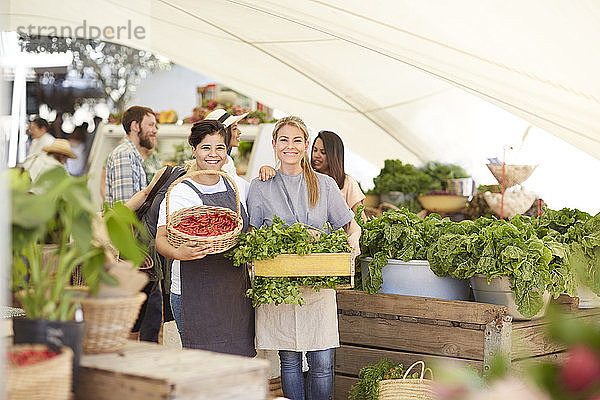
[147, 371]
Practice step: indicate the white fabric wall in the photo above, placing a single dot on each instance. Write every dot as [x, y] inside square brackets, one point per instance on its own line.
[172, 89]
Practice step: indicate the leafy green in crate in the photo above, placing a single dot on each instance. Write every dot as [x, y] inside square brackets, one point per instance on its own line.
[267, 242]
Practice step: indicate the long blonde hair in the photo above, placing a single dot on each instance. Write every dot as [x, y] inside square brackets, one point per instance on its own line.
[309, 173]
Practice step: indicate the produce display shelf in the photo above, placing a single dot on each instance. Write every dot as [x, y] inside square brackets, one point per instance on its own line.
[407, 329]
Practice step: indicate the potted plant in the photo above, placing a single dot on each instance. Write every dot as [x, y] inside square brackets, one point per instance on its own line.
[394, 256]
[56, 210]
[399, 183]
[510, 263]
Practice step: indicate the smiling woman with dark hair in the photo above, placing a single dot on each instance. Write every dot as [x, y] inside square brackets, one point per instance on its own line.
[328, 158]
[208, 294]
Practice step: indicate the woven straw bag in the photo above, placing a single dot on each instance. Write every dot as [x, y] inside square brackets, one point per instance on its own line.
[47, 380]
[218, 243]
[407, 388]
[109, 321]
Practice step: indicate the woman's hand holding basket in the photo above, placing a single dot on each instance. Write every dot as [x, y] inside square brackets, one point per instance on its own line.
[192, 251]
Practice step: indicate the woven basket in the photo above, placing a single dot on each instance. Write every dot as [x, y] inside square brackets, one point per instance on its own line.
[513, 174]
[47, 380]
[109, 321]
[407, 388]
[218, 243]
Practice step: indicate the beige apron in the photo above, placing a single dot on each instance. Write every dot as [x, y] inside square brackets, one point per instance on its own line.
[313, 326]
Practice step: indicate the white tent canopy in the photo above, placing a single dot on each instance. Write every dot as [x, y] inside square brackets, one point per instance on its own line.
[353, 65]
[363, 68]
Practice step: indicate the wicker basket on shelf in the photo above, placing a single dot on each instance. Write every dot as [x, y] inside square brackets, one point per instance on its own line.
[219, 243]
[46, 380]
[109, 321]
[513, 174]
[407, 388]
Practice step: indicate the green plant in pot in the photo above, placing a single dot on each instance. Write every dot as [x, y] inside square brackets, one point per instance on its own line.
[54, 215]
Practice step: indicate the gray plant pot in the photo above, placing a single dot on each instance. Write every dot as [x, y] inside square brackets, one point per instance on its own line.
[498, 292]
[415, 278]
[396, 198]
[587, 298]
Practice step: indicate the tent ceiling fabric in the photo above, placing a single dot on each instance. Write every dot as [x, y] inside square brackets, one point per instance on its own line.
[350, 65]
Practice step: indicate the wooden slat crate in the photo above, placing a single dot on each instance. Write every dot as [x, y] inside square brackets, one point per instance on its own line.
[406, 329]
[275, 389]
[315, 264]
[147, 371]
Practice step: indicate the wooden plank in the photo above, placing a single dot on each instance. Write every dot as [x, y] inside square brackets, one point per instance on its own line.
[497, 342]
[342, 385]
[529, 338]
[350, 359]
[150, 371]
[316, 264]
[532, 341]
[420, 307]
[275, 389]
[105, 385]
[521, 365]
[579, 313]
[452, 341]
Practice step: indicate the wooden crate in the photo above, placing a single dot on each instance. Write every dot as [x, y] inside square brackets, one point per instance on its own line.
[407, 329]
[147, 371]
[315, 264]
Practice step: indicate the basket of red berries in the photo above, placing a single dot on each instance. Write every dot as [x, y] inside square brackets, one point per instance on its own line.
[34, 372]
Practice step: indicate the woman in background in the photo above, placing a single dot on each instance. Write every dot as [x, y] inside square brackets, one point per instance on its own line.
[328, 158]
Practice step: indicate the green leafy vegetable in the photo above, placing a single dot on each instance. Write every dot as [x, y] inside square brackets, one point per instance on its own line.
[406, 178]
[441, 172]
[535, 254]
[367, 387]
[270, 241]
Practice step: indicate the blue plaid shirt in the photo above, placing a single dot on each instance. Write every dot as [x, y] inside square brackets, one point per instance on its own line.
[125, 174]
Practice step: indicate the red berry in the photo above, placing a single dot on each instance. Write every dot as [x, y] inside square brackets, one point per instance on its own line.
[581, 369]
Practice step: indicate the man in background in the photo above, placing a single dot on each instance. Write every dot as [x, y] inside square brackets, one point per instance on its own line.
[125, 174]
[39, 133]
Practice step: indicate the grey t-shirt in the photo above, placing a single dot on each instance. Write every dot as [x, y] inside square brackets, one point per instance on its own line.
[266, 199]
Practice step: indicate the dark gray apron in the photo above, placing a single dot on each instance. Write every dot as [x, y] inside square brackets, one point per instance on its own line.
[216, 314]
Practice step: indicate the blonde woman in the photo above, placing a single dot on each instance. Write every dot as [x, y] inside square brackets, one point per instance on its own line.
[298, 194]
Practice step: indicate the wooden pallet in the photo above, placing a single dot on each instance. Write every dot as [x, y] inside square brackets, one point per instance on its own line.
[407, 329]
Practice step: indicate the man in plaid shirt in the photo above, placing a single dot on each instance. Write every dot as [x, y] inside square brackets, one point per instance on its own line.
[125, 174]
